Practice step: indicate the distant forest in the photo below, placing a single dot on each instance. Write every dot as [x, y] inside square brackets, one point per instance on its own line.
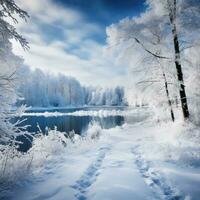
[38, 89]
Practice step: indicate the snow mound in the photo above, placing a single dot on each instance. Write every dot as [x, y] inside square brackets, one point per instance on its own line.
[174, 142]
[98, 113]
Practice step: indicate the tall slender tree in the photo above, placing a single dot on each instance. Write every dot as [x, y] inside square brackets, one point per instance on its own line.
[172, 10]
[177, 21]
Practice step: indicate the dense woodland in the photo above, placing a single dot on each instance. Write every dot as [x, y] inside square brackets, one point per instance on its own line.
[38, 89]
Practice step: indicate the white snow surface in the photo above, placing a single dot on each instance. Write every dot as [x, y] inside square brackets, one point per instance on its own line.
[140, 161]
[94, 113]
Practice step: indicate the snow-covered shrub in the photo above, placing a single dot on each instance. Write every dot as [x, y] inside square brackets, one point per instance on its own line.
[15, 165]
[49, 144]
[94, 130]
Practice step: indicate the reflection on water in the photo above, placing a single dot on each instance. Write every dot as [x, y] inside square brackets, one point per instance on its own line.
[66, 123]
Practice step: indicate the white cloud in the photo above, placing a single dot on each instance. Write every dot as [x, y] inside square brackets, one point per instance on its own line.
[48, 12]
[75, 53]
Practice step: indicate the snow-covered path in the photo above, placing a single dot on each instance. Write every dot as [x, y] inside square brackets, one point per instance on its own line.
[112, 167]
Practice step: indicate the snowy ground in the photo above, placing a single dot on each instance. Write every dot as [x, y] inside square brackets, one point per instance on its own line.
[97, 113]
[139, 161]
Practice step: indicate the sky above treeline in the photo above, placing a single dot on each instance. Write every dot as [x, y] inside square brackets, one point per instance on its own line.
[69, 37]
[105, 12]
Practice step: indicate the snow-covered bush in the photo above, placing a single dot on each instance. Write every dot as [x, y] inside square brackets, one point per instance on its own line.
[15, 164]
[45, 148]
[94, 130]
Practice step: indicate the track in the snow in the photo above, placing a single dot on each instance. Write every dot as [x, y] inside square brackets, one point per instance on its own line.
[154, 179]
[90, 175]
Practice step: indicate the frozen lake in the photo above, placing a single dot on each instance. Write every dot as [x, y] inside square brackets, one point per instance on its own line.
[77, 119]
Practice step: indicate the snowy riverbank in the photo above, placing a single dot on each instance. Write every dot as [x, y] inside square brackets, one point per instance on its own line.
[97, 112]
[141, 161]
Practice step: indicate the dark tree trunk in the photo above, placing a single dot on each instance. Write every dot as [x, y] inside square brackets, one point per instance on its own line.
[183, 98]
[168, 98]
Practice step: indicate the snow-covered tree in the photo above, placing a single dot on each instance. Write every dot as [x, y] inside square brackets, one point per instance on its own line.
[42, 90]
[161, 33]
[192, 82]
[98, 96]
[8, 68]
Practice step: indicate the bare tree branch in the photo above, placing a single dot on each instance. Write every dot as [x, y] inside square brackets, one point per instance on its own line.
[147, 50]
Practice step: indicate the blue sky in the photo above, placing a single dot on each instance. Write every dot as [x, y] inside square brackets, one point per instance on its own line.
[104, 12]
[69, 37]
